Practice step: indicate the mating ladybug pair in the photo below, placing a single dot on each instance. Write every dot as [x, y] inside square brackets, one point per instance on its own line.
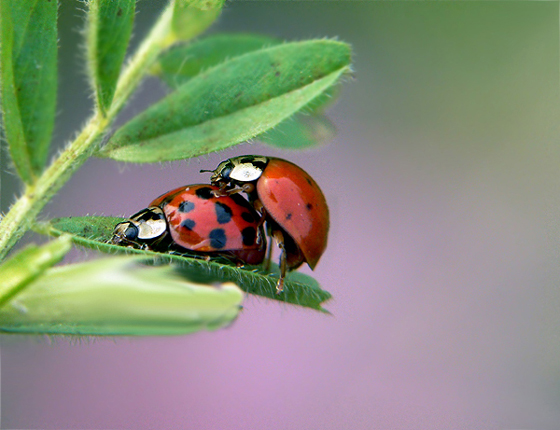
[216, 221]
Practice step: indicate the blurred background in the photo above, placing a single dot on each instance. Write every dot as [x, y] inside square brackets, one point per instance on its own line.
[443, 257]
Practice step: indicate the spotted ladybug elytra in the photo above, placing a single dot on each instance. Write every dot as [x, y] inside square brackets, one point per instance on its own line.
[290, 201]
[199, 220]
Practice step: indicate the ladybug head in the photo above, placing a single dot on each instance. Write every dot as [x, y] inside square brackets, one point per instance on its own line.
[243, 169]
[147, 226]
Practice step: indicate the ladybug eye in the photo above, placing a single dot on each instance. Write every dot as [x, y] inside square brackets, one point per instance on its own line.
[131, 232]
[221, 174]
[226, 172]
[124, 232]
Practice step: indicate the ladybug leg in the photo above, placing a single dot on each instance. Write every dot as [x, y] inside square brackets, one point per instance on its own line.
[248, 187]
[268, 257]
[260, 209]
[244, 188]
[279, 237]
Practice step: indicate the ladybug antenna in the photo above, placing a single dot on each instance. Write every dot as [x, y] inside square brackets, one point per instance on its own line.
[204, 171]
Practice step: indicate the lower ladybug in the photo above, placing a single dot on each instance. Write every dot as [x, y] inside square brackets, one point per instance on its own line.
[290, 201]
[196, 219]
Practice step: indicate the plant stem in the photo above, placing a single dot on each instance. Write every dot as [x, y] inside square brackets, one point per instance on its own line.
[22, 214]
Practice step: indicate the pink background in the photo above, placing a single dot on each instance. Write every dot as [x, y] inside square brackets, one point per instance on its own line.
[443, 184]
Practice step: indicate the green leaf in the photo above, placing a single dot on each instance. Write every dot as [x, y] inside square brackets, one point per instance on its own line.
[182, 62]
[232, 102]
[96, 232]
[28, 264]
[28, 68]
[108, 33]
[117, 296]
[192, 17]
[303, 131]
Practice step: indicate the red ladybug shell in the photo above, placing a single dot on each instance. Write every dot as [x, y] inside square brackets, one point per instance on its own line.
[294, 200]
[200, 221]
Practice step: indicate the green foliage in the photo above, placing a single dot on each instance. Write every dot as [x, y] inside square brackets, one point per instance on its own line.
[109, 28]
[116, 296]
[28, 264]
[231, 102]
[186, 60]
[192, 17]
[28, 68]
[95, 232]
[225, 89]
[303, 131]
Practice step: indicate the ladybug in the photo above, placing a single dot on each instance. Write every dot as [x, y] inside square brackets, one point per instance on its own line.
[290, 201]
[197, 220]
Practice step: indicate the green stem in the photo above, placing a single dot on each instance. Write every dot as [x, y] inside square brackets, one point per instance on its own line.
[22, 214]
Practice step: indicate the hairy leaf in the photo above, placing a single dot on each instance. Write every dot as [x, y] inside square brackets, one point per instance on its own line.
[231, 102]
[28, 74]
[117, 296]
[182, 62]
[96, 232]
[109, 28]
[28, 264]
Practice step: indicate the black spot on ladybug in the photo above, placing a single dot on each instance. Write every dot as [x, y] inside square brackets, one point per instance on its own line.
[185, 207]
[309, 206]
[188, 224]
[248, 217]
[204, 193]
[288, 217]
[217, 238]
[223, 213]
[249, 236]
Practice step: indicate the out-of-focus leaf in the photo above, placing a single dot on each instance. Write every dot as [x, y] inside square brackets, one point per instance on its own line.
[320, 103]
[192, 17]
[303, 131]
[95, 232]
[28, 264]
[117, 296]
[182, 62]
[232, 102]
[109, 28]
[28, 68]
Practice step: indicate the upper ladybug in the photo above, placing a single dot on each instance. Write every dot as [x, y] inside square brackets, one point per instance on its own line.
[197, 218]
[290, 200]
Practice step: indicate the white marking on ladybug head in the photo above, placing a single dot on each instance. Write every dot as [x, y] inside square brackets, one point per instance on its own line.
[151, 229]
[150, 223]
[246, 172]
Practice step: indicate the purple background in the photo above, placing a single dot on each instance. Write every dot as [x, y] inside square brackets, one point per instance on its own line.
[443, 184]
